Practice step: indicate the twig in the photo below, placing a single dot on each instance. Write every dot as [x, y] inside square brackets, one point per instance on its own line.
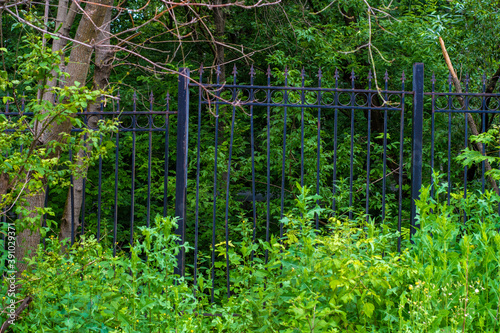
[18, 311]
[376, 181]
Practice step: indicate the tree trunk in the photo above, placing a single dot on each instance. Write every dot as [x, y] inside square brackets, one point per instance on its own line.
[103, 64]
[220, 29]
[27, 240]
[78, 67]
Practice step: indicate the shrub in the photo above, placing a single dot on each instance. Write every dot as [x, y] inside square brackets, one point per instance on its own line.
[347, 277]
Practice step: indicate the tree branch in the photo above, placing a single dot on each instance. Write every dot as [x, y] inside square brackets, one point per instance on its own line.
[470, 120]
[24, 304]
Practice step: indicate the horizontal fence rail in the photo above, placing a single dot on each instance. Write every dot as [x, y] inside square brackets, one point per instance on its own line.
[235, 151]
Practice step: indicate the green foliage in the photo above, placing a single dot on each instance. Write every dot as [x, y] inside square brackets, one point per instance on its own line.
[344, 278]
[89, 289]
[490, 141]
[455, 264]
[30, 166]
[337, 280]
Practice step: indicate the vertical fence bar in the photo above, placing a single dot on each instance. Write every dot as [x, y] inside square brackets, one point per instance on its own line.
[84, 186]
[351, 158]
[384, 156]
[417, 138]
[132, 190]
[368, 146]
[466, 138]
[84, 180]
[433, 124]
[99, 189]
[150, 157]
[401, 160]
[167, 144]
[181, 166]
[217, 72]
[336, 113]
[450, 105]
[117, 156]
[252, 151]
[483, 129]
[285, 101]
[268, 152]
[44, 221]
[197, 203]
[228, 182]
[318, 145]
[72, 199]
[302, 101]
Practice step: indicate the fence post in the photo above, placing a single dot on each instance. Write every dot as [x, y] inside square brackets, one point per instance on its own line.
[416, 144]
[181, 167]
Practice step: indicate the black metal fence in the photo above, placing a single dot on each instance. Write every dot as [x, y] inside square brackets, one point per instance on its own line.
[364, 150]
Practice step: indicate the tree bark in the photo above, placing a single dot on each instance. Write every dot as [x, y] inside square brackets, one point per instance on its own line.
[220, 29]
[102, 70]
[28, 239]
[78, 67]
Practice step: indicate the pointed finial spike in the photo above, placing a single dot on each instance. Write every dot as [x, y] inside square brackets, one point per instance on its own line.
[403, 77]
[118, 95]
[167, 98]
[320, 73]
[336, 76]
[268, 73]
[218, 71]
[252, 71]
[386, 76]
[286, 71]
[201, 69]
[303, 72]
[151, 97]
[235, 71]
[370, 77]
[467, 79]
[449, 78]
[353, 75]
[433, 79]
[134, 96]
[484, 78]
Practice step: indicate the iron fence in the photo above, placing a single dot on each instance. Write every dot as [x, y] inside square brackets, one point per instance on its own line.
[366, 152]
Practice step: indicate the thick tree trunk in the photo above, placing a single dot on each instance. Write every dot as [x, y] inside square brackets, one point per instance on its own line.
[27, 240]
[103, 63]
[64, 20]
[77, 68]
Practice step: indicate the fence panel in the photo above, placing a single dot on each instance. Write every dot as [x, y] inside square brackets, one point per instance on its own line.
[346, 143]
[248, 141]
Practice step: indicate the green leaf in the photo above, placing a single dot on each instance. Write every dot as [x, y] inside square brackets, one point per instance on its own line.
[368, 308]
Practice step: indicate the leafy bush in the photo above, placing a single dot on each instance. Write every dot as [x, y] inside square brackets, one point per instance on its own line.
[347, 277]
[89, 290]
